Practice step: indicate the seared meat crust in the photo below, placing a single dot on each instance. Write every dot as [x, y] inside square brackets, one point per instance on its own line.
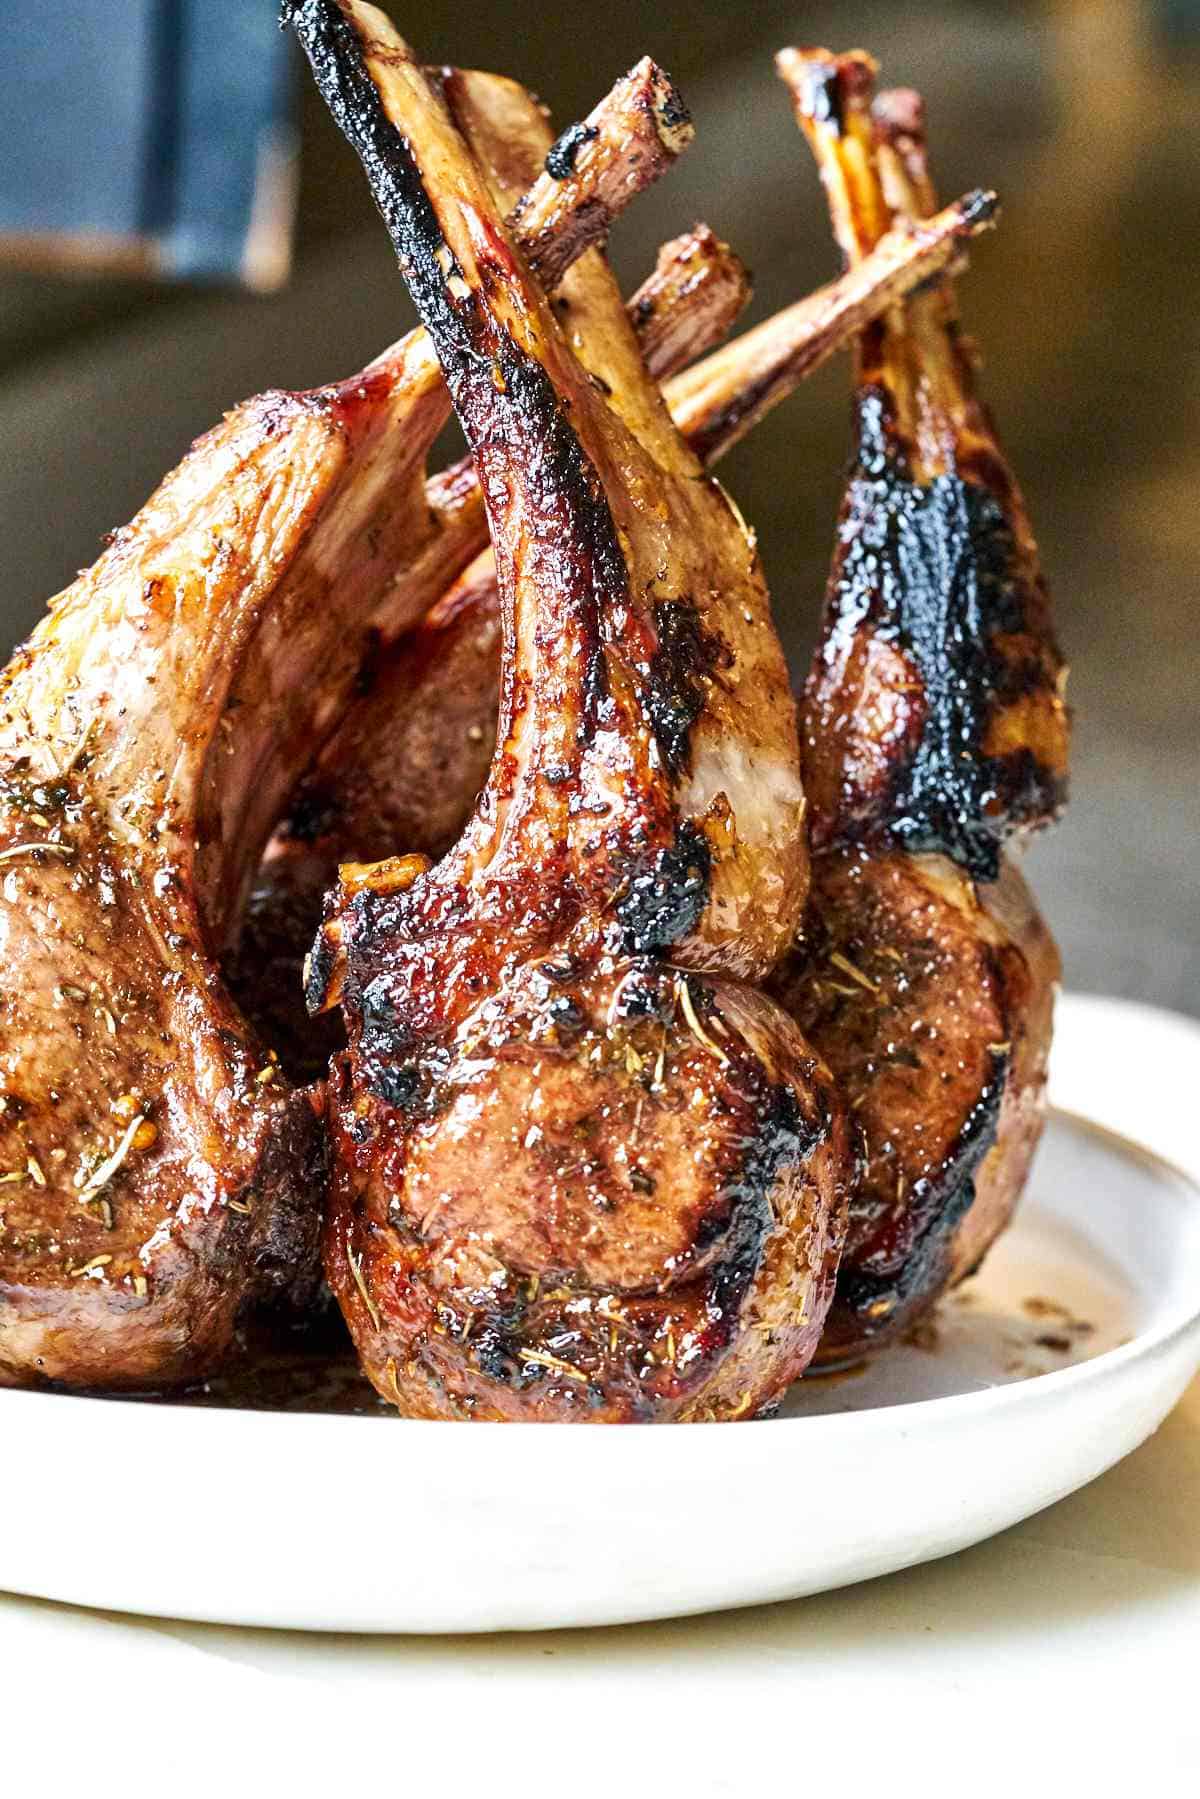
[621, 1204]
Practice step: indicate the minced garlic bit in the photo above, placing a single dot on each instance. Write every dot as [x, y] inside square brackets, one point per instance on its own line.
[27, 849]
[856, 974]
[693, 1023]
[101, 1176]
[91, 1267]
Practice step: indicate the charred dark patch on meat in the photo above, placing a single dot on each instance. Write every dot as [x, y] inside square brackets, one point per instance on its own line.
[907, 1263]
[831, 90]
[676, 687]
[505, 1327]
[23, 792]
[319, 974]
[560, 158]
[335, 52]
[398, 1084]
[313, 814]
[642, 312]
[823, 99]
[578, 532]
[648, 991]
[387, 1054]
[666, 896]
[566, 1020]
[782, 1138]
[673, 110]
[933, 568]
[495, 1349]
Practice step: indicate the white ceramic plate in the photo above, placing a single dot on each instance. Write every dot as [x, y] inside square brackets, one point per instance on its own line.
[1068, 1350]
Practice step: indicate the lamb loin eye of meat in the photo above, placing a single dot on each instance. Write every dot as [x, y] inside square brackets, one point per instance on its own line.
[931, 999]
[158, 1174]
[582, 1169]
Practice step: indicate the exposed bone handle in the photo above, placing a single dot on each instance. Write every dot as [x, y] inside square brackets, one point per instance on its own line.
[718, 401]
[899, 116]
[627, 142]
[831, 97]
[689, 303]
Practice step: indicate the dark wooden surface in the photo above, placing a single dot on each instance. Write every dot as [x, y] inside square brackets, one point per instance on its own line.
[1084, 303]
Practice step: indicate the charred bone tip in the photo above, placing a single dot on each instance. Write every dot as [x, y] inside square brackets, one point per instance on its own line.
[671, 115]
[979, 209]
[825, 87]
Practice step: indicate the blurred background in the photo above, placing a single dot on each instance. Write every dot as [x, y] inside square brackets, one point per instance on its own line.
[181, 225]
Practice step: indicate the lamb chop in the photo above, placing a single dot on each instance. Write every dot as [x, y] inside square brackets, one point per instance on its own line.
[157, 1175]
[934, 730]
[403, 771]
[582, 1170]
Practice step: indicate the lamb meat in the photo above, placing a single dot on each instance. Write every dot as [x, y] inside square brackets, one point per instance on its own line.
[931, 997]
